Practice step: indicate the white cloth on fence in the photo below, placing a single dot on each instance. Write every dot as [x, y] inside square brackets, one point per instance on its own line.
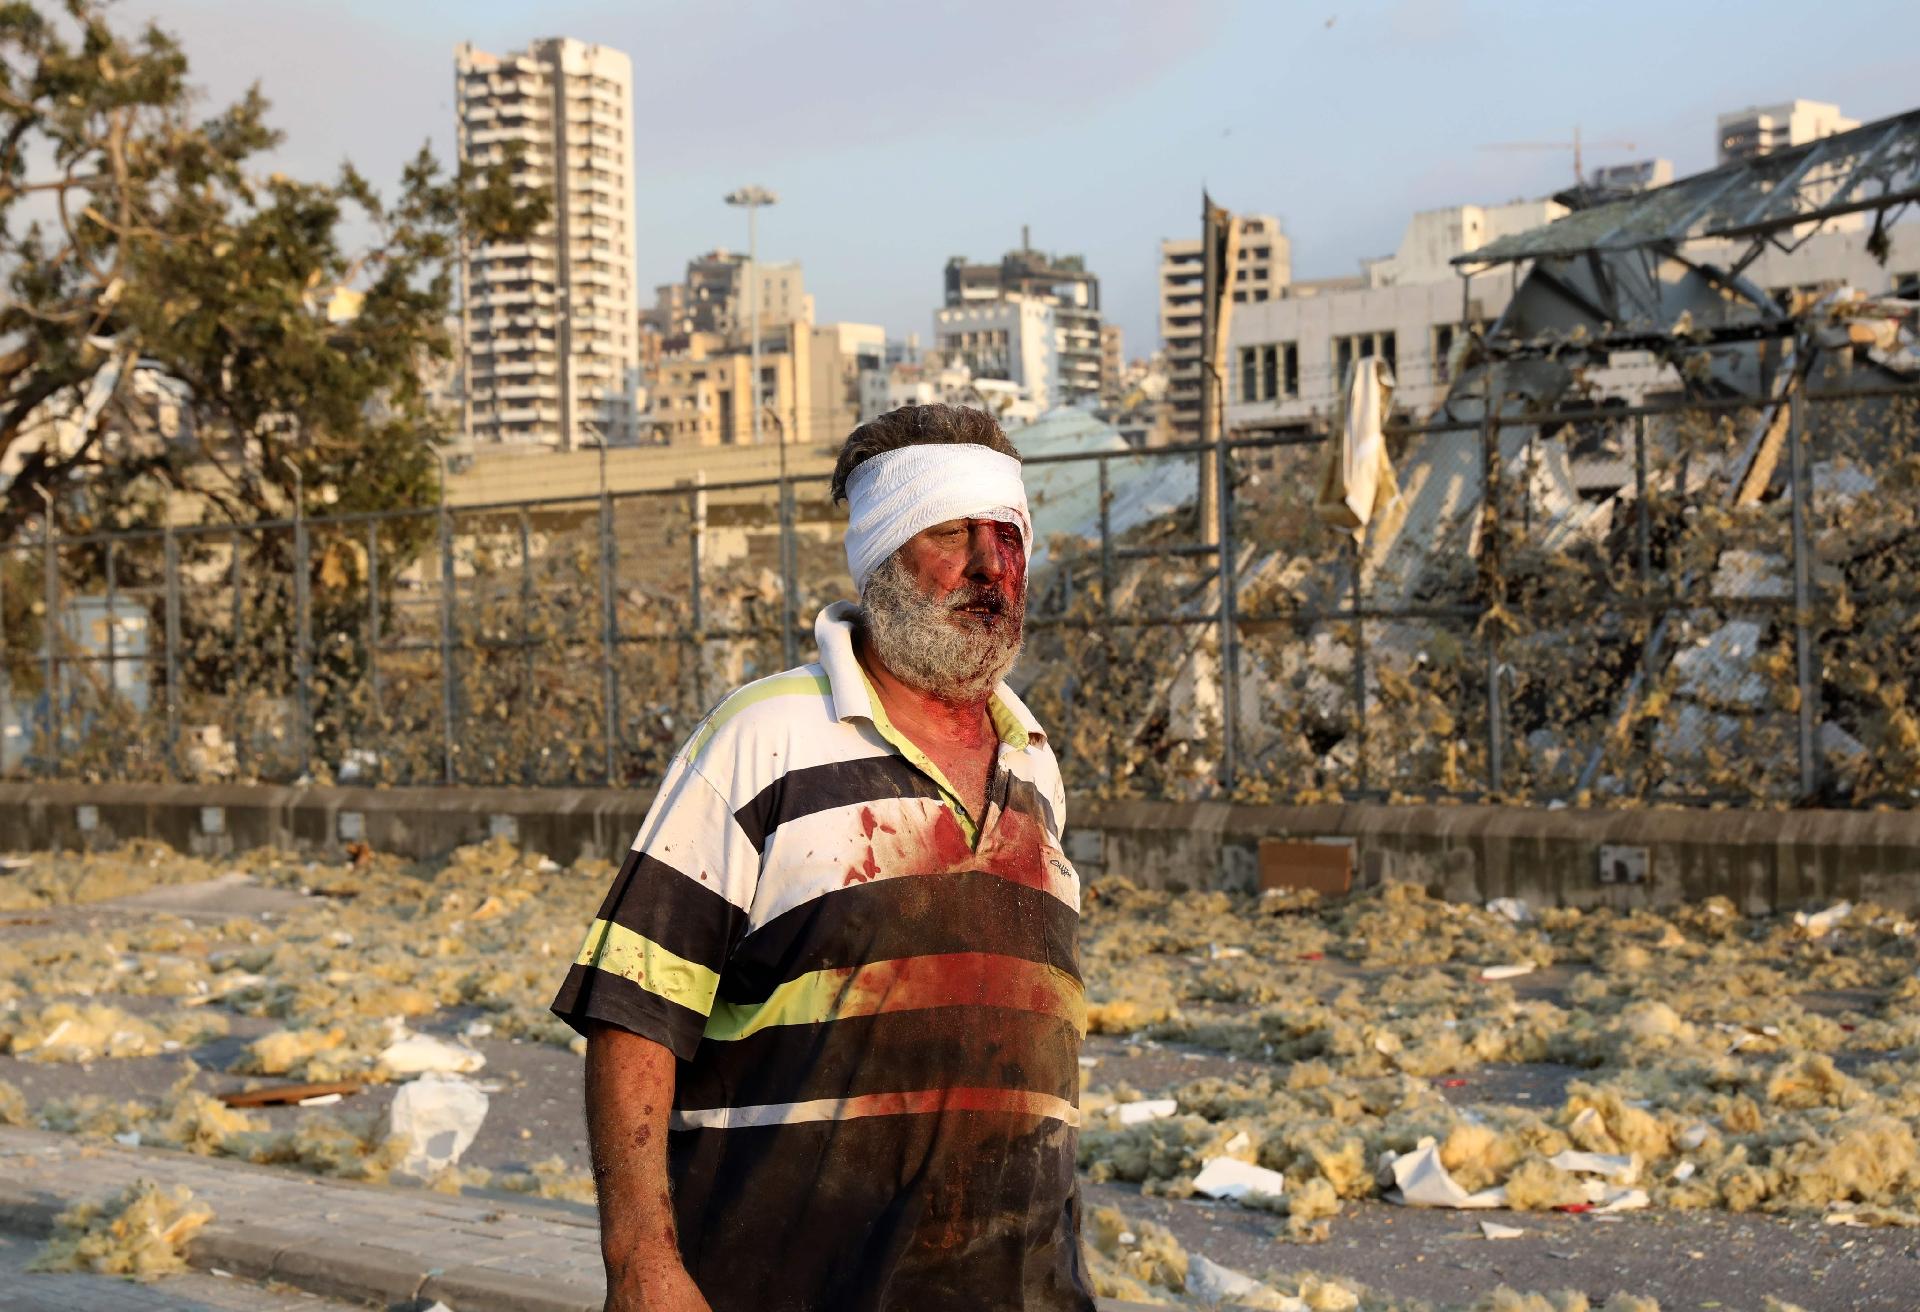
[1358, 485]
[898, 493]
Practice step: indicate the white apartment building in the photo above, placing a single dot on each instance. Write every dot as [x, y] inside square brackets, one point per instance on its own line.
[549, 335]
[1434, 237]
[1287, 357]
[1762, 129]
[1013, 339]
[1263, 265]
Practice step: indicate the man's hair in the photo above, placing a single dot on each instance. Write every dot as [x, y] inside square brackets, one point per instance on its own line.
[916, 425]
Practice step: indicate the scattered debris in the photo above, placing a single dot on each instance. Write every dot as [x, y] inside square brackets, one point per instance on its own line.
[1494, 1230]
[282, 1095]
[1231, 1178]
[1146, 1109]
[435, 1118]
[1820, 922]
[420, 1054]
[140, 1232]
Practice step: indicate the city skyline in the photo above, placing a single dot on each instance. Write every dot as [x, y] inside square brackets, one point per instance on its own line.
[884, 175]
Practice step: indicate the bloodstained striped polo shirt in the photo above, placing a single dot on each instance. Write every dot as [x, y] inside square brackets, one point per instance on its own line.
[874, 999]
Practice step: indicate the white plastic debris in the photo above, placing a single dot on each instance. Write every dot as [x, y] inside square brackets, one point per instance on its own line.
[1147, 1109]
[1820, 922]
[130, 1139]
[1231, 1178]
[436, 1116]
[1240, 1143]
[1494, 1230]
[1683, 1173]
[1210, 1282]
[1513, 971]
[419, 1054]
[1624, 1200]
[1421, 1180]
[1513, 908]
[319, 1100]
[1614, 1166]
[1218, 953]
[477, 1029]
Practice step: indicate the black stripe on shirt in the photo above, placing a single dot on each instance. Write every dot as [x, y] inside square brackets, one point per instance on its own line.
[683, 913]
[895, 1052]
[1023, 797]
[815, 788]
[904, 916]
[591, 994]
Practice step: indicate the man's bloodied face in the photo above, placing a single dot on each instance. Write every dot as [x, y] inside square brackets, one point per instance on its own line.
[945, 612]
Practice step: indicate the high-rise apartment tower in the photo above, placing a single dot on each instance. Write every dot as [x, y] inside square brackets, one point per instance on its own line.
[549, 334]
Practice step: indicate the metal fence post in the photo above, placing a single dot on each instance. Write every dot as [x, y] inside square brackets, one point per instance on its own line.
[49, 627]
[530, 670]
[696, 546]
[789, 643]
[1359, 675]
[303, 629]
[171, 546]
[373, 621]
[112, 681]
[1491, 574]
[1643, 514]
[236, 654]
[1106, 614]
[1802, 595]
[609, 635]
[1229, 619]
[449, 695]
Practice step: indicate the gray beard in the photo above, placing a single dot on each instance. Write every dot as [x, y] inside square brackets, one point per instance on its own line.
[927, 647]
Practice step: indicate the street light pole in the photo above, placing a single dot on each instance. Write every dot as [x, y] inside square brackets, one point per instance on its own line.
[751, 199]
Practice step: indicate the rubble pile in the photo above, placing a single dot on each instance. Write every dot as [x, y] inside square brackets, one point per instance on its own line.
[1715, 1061]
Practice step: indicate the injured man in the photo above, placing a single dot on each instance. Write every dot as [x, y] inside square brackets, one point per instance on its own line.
[832, 1001]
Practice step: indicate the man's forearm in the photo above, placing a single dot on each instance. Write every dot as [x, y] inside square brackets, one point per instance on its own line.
[629, 1094]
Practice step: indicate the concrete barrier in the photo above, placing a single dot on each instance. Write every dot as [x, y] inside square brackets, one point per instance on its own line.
[1762, 860]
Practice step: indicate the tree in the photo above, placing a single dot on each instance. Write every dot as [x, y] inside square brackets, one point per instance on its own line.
[135, 238]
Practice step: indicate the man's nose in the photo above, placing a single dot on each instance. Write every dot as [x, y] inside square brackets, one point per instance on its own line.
[983, 552]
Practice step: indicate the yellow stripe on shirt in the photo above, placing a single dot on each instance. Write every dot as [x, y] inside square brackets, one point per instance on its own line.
[953, 979]
[619, 951]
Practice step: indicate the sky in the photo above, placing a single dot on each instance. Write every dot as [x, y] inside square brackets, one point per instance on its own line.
[898, 135]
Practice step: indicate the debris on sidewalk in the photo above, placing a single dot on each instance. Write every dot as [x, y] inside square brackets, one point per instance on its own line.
[435, 1119]
[1233, 1179]
[418, 1054]
[281, 1095]
[140, 1232]
[1143, 1110]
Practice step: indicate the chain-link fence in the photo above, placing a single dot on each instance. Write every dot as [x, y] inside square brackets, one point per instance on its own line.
[1704, 604]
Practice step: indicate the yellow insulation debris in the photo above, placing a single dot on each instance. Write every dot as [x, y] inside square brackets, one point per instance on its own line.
[141, 1232]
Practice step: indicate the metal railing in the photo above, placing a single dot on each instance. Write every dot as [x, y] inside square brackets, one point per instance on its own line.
[1575, 606]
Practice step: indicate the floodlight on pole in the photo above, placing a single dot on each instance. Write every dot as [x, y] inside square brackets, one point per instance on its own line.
[751, 199]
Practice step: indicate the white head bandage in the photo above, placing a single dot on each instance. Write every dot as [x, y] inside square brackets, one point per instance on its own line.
[894, 495]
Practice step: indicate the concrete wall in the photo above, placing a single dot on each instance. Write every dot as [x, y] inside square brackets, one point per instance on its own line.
[1761, 860]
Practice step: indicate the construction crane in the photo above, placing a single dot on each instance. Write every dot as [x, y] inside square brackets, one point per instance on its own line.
[1579, 170]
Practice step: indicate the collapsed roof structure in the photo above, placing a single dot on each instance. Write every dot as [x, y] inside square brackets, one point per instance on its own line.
[1660, 282]
[1602, 513]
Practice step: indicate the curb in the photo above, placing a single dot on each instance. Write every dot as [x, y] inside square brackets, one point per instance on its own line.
[311, 1259]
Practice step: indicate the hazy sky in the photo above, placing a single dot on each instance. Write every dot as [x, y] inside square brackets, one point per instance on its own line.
[898, 134]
